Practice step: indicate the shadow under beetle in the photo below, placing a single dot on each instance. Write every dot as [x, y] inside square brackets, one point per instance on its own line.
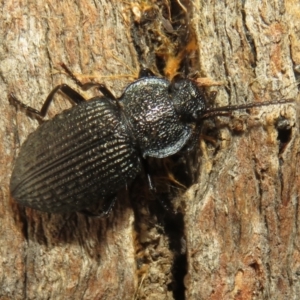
[86, 154]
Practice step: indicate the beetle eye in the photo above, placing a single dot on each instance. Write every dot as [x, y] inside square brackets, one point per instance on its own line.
[174, 86]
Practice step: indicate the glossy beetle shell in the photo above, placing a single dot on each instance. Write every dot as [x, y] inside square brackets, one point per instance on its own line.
[86, 154]
[156, 126]
[80, 157]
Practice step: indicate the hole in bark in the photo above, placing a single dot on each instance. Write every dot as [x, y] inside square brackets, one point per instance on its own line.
[174, 228]
[284, 130]
[284, 135]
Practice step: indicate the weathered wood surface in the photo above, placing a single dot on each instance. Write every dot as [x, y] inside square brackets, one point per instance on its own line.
[241, 232]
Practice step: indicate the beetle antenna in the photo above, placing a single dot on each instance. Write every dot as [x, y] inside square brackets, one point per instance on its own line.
[224, 110]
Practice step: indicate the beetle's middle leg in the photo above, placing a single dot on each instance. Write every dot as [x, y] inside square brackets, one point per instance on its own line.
[85, 86]
[68, 91]
[108, 205]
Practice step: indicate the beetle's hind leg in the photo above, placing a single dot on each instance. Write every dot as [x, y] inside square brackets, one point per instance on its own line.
[68, 91]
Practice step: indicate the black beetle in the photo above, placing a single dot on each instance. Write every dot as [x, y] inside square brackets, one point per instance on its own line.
[86, 154]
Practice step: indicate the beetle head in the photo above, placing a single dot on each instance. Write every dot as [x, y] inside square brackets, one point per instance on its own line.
[188, 100]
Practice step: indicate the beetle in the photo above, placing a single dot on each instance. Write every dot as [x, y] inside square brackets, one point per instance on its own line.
[83, 156]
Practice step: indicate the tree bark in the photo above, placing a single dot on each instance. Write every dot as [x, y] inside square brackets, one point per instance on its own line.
[244, 208]
[237, 235]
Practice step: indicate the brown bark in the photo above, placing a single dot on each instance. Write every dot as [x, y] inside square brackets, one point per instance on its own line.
[241, 215]
[244, 210]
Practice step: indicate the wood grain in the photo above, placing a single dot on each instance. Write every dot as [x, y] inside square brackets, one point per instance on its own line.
[240, 236]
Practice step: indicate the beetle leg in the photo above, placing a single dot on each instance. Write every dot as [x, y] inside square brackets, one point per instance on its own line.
[85, 86]
[147, 172]
[105, 212]
[68, 91]
[101, 87]
[145, 72]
